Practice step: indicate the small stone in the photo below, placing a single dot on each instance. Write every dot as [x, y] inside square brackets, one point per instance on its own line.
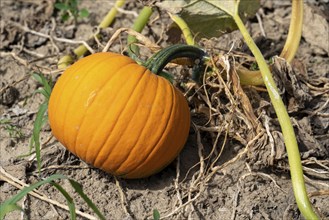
[8, 96]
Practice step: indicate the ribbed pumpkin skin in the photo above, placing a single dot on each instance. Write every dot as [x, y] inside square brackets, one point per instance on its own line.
[118, 116]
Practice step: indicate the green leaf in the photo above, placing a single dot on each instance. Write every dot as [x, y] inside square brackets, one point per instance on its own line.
[156, 214]
[211, 18]
[73, 4]
[226, 6]
[61, 6]
[83, 13]
[65, 17]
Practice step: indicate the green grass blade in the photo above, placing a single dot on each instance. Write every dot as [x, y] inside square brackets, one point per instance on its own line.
[10, 204]
[79, 190]
[31, 145]
[36, 131]
[156, 214]
[5, 121]
[44, 82]
[8, 208]
[38, 77]
[43, 92]
[70, 202]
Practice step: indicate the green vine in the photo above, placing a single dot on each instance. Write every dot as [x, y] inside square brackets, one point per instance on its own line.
[138, 26]
[249, 77]
[184, 28]
[296, 170]
[264, 76]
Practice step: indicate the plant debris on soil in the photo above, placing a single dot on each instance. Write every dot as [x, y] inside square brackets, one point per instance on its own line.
[234, 164]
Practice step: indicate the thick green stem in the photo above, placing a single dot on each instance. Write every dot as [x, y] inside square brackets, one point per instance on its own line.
[159, 60]
[296, 170]
[248, 77]
[295, 31]
[109, 18]
[184, 28]
[138, 26]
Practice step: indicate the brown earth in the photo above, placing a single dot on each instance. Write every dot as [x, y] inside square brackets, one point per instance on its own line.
[232, 167]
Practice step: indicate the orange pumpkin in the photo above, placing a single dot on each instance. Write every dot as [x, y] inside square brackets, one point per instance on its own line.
[118, 116]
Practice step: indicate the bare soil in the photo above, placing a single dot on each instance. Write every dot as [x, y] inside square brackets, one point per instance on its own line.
[233, 166]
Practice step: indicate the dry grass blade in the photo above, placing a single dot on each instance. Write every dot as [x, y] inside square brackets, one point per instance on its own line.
[28, 64]
[53, 38]
[141, 38]
[122, 197]
[319, 193]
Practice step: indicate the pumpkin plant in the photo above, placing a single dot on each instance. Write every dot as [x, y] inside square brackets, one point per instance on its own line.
[120, 116]
[264, 76]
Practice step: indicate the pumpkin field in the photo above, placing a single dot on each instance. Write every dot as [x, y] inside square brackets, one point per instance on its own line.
[171, 109]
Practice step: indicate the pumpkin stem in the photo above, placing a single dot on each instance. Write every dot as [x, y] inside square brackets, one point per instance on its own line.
[158, 61]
